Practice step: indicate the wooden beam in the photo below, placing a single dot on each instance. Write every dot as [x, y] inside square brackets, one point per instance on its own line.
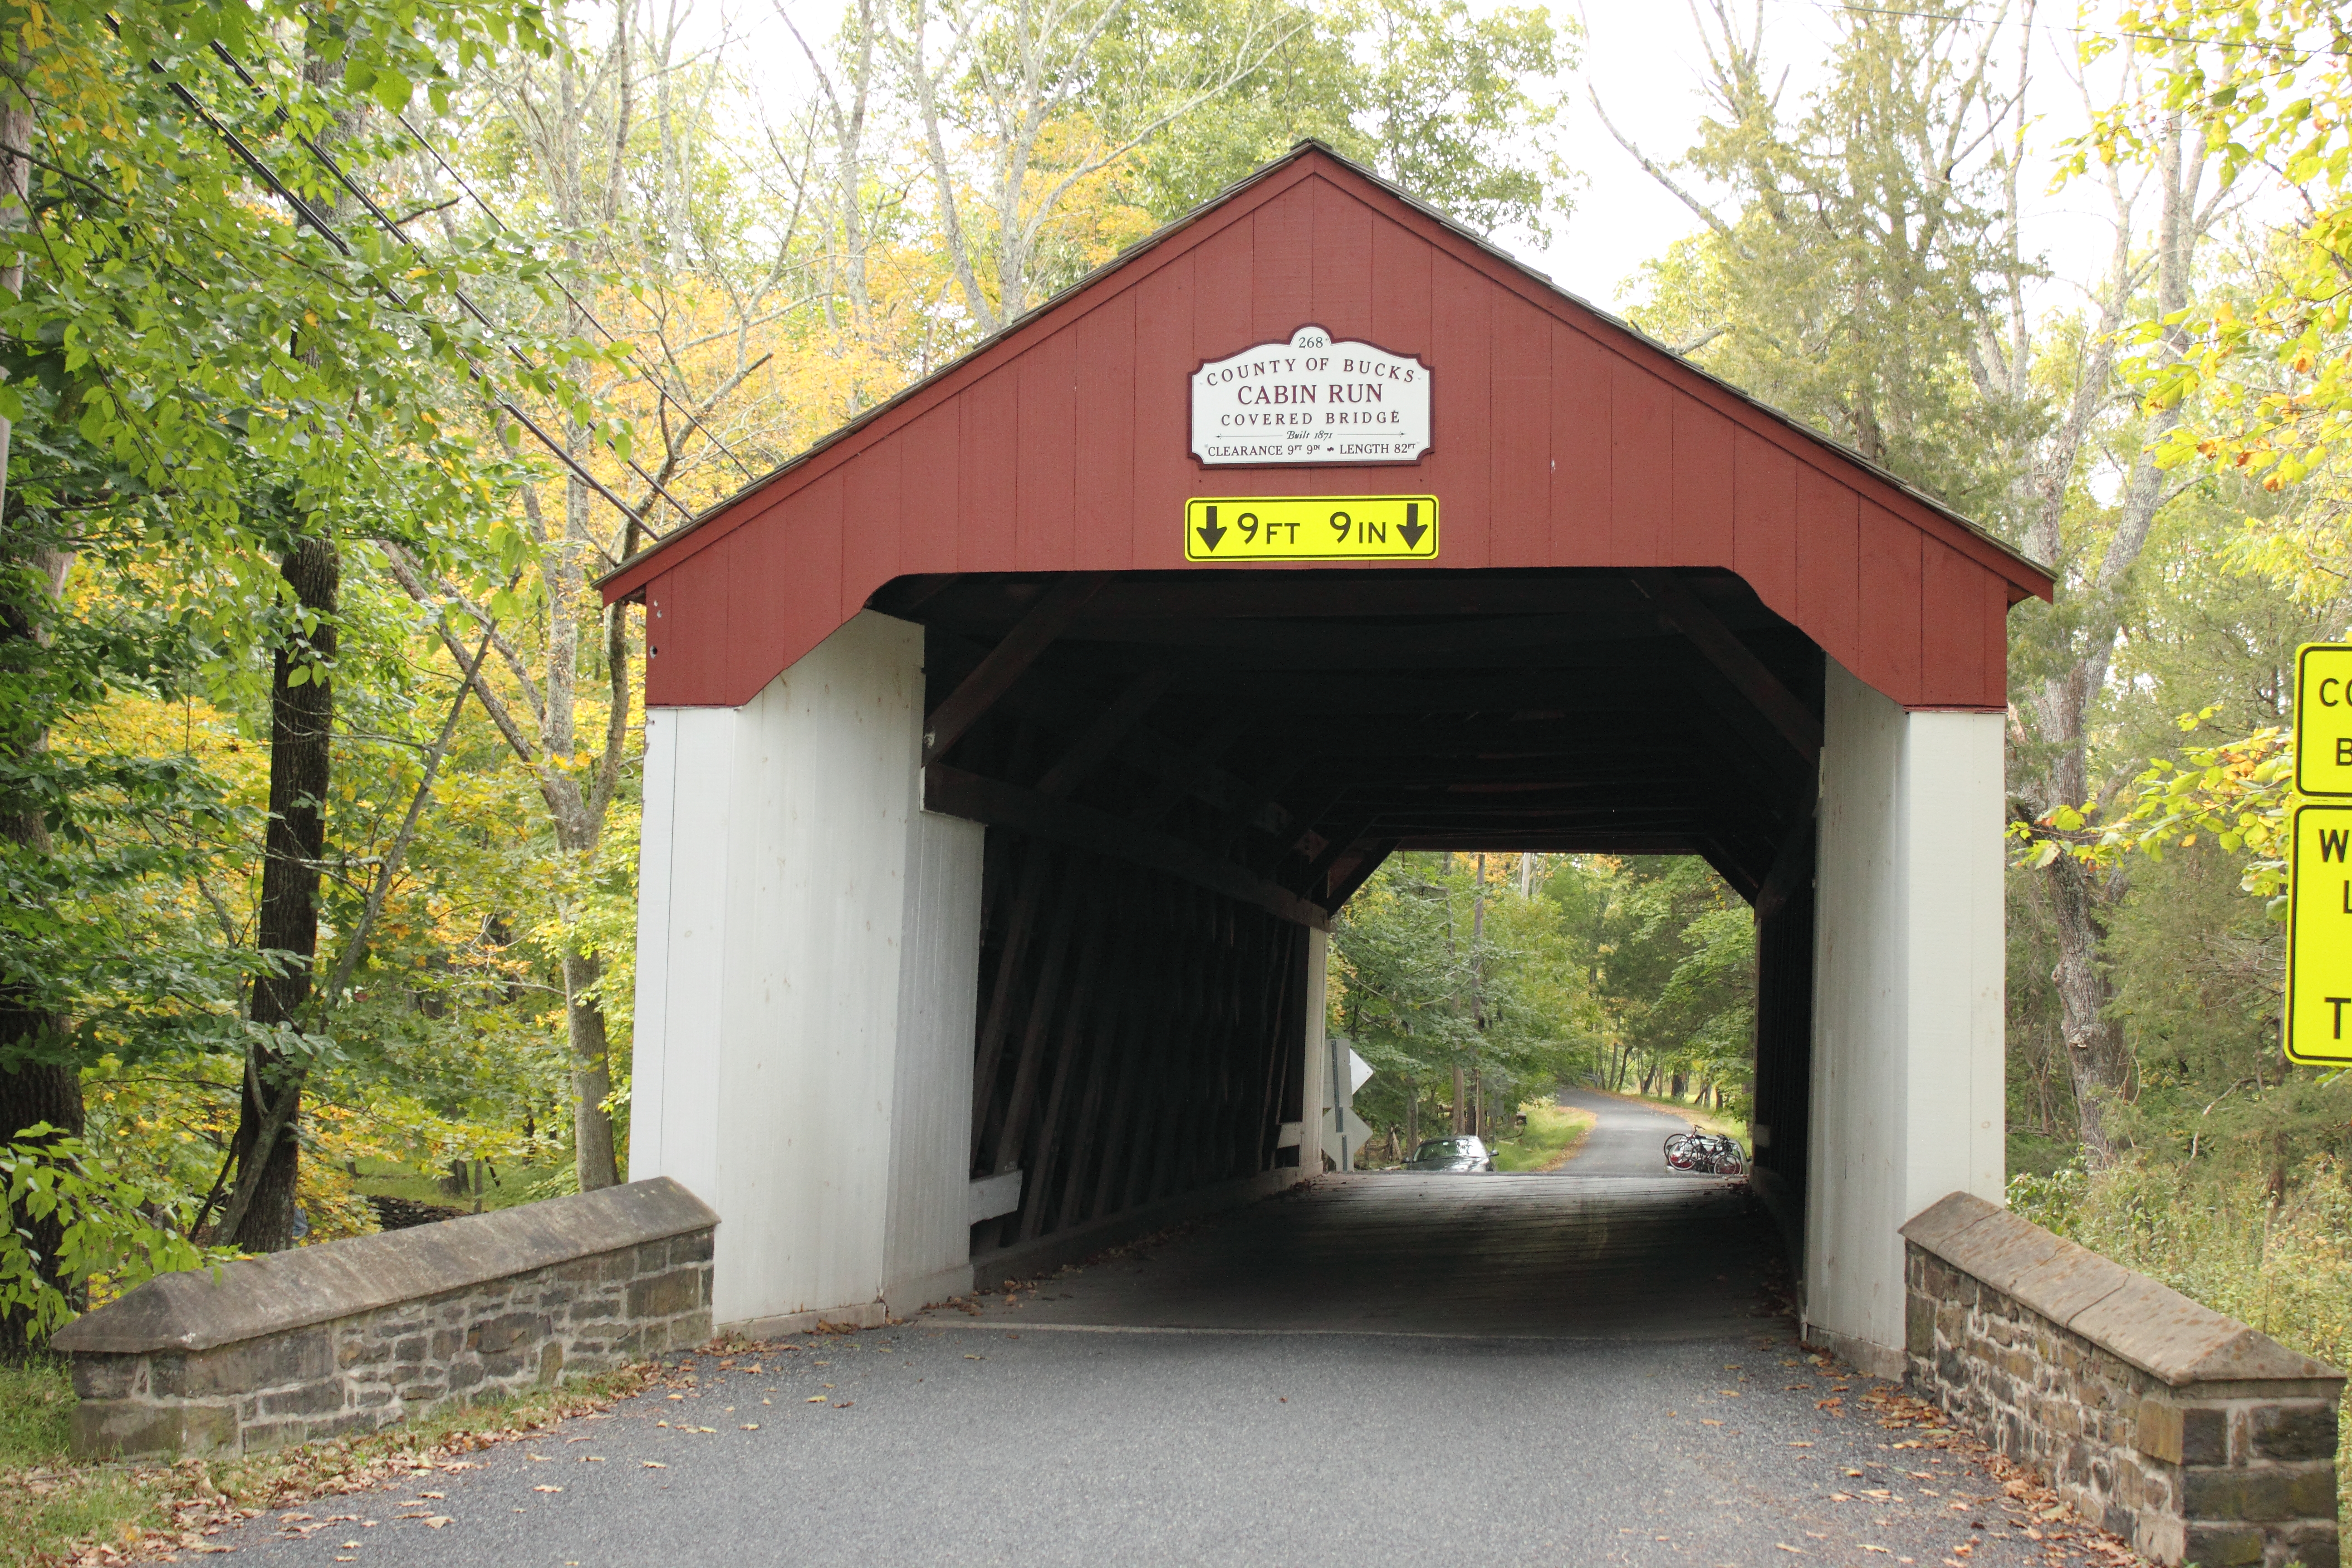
[957, 792]
[1181, 774]
[1342, 840]
[1345, 883]
[1722, 647]
[1110, 727]
[1791, 867]
[1727, 866]
[962, 708]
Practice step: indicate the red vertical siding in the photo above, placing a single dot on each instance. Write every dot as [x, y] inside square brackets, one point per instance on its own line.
[1163, 420]
[927, 491]
[1641, 467]
[808, 595]
[1890, 601]
[1581, 505]
[1221, 296]
[1045, 481]
[1992, 622]
[1764, 513]
[1400, 267]
[1522, 436]
[1343, 261]
[1282, 276]
[691, 628]
[1702, 463]
[1462, 320]
[1828, 574]
[986, 500]
[1951, 645]
[869, 524]
[1107, 426]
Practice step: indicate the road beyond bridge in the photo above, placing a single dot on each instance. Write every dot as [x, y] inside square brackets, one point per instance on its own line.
[1585, 1367]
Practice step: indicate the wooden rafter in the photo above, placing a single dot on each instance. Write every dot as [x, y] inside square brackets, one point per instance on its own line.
[1054, 609]
[957, 792]
[1735, 658]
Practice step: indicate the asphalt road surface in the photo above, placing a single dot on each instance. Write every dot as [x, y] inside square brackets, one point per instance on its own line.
[1585, 1367]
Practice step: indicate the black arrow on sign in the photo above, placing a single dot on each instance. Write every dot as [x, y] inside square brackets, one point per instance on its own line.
[1211, 534]
[1413, 528]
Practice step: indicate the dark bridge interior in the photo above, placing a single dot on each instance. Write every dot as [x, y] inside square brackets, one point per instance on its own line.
[1183, 772]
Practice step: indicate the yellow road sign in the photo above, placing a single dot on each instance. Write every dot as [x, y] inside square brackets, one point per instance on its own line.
[1229, 528]
[2319, 937]
[2323, 719]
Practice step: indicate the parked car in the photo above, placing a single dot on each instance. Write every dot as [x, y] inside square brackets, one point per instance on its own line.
[1451, 1154]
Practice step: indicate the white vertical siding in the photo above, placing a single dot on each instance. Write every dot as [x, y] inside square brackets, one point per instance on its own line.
[1907, 1027]
[927, 1235]
[769, 976]
[1316, 1101]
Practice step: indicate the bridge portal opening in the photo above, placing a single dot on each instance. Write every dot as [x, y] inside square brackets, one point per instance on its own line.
[1197, 771]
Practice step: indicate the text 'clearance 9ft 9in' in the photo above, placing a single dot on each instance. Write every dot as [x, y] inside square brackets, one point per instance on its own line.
[1238, 530]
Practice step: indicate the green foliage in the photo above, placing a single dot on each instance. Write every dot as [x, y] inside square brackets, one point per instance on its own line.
[1627, 973]
[1455, 106]
[2267, 83]
[111, 1235]
[1850, 276]
[2271, 1251]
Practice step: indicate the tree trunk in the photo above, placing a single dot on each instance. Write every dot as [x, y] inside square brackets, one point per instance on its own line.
[591, 1074]
[1456, 1124]
[301, 750]
[37, 1093]
[2097, 1056]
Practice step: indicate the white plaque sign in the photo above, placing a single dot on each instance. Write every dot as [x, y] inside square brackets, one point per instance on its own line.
[1311, 400]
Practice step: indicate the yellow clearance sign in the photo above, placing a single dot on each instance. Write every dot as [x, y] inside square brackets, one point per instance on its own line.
[2323, 719]
[2319, 937]
[1230, 530]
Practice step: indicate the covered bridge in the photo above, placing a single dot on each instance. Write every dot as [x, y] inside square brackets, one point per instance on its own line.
[1008, 752]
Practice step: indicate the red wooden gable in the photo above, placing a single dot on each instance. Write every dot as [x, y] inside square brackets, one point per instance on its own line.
[1562, 438]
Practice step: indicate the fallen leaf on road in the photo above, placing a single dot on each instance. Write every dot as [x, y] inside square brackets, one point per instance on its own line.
[1704, 1422]
[1799, 1445]
[815, 1399]
[751, 1426]
[845, 1404]
[547, 1488]
[436, 1521]
[435, 1496]
[653, 1464]
[1786, 1547]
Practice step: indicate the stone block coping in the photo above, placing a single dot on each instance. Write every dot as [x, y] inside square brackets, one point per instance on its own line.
[204, 1308]
[2146, 1324]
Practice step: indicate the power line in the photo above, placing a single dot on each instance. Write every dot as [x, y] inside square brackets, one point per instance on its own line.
[304, 210]
[586, 314]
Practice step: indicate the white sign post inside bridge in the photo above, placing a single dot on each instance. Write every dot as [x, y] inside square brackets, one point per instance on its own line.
[1344, 1131]
[1311, 400]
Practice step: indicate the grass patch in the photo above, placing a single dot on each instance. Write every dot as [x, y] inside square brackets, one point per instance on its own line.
[510, 1185]
[55, 1509]
[1550, 1136]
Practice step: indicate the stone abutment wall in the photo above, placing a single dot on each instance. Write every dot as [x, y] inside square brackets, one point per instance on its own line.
[2192, 1436]
[355, 1335]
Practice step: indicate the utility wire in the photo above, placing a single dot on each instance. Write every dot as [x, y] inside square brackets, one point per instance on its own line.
[393, 227]
[589, 316]
[307, 214]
